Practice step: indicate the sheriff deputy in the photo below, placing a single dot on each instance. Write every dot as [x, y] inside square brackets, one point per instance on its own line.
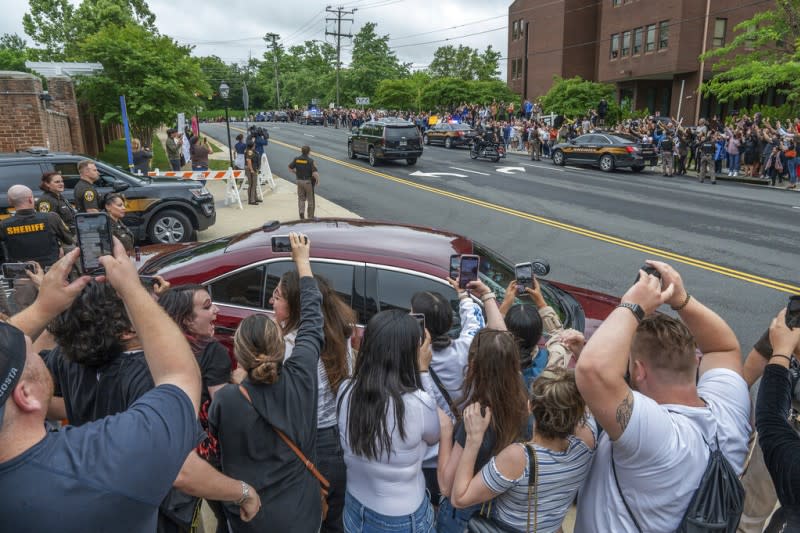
[53, 201]
[306, 171]
[86, 200]
[30, 235]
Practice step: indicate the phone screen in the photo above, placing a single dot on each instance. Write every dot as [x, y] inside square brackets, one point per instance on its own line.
[793, 312]
[16, 270]
[524, 274]
[281, 243]
[455, 264]
[94, 239]
[469, 270]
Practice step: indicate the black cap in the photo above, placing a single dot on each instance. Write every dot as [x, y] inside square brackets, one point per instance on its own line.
[12, 361]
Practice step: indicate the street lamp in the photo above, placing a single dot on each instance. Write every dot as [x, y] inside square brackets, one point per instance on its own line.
[225, 92]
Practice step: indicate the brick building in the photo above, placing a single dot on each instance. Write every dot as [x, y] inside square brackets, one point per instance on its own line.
[648, 48]
[52, 118]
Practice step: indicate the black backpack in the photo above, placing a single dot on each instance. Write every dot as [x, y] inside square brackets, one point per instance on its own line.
[716, 505]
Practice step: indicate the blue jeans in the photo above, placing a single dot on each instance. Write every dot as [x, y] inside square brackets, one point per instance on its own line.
[452, 520]
[734, 165]
[791, 165]
[360, 519]
[175, 164]
[330, 462]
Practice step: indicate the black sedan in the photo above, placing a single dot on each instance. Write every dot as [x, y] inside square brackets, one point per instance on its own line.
[607, 150]
[449, 135]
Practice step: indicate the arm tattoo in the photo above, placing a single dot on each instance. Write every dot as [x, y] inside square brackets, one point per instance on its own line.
[624, 411]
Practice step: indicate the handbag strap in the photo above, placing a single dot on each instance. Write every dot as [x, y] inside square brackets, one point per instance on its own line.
[619, 489]
[446, 395]
[292, 446]
[533, 482]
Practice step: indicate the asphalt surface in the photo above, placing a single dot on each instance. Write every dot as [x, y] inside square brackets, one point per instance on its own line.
[734, 244]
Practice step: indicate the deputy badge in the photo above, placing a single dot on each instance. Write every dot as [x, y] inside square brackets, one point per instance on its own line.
[88, 196]
[44, 207]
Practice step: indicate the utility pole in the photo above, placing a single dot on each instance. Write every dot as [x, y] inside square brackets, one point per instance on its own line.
[272, 38]
[340, 12]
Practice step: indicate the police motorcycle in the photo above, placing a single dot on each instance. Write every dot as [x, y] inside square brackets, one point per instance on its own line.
[487, 150]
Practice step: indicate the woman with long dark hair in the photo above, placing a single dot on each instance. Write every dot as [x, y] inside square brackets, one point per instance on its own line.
[334, 366]
[386, 423]
[492, 379]
[276, 398]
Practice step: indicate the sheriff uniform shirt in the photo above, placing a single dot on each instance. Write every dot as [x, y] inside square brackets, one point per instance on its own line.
[86, 197]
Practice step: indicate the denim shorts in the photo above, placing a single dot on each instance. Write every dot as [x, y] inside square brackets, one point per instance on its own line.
[361, 519]
[452, 520]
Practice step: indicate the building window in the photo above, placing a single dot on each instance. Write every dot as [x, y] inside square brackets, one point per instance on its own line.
[513, 69]
[650, 44]
[520, 73]
[720, 25]
[637, 41]
[515, 30]
[615, 46]
[615, 3]
[663, 34]
[626, 43]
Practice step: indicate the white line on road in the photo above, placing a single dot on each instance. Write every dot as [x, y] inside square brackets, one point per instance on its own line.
[472, 171]
[543, 167]
[308, 135]
[796, 207]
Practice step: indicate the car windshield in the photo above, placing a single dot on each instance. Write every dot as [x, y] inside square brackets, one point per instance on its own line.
[461, 127]
[497, 272]
[104, 167]
[394, 132]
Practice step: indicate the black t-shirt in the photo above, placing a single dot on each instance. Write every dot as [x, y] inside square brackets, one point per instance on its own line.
[215, 367]
[92, 393]
[304, 166]
[489, 440]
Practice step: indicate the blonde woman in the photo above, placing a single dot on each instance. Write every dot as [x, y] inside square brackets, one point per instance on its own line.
[141, 158]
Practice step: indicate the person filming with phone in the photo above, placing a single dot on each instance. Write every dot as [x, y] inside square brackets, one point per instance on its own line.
[30, 235]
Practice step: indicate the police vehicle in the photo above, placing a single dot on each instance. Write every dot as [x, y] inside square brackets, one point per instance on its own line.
[607, 150]
[160, 211]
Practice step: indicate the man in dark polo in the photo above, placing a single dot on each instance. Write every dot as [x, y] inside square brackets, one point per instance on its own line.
[307, 178]
[30, 235]
[86, 198]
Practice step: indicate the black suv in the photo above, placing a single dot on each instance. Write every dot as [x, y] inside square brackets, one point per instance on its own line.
[161, 210]
[385, 139]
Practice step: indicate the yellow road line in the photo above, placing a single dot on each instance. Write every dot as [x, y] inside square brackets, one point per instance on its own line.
[657, 252]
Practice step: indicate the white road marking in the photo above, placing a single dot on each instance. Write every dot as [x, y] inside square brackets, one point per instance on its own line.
[472, 171]
[308, 135]
[543, 167]
[796, 207]
[509, 170]
[435, 174]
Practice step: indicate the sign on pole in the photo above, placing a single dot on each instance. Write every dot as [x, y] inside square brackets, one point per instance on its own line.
[362, 100]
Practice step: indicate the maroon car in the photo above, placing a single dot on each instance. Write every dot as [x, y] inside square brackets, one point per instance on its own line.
[373, 266]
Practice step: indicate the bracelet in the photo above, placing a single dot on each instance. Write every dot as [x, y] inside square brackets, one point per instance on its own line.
[245, 493]
[684, 304]
[488, 296]
[789, 359]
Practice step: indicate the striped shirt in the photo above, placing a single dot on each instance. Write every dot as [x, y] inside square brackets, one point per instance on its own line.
[561, 474]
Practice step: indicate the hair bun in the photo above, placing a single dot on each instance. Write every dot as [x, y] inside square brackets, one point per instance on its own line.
[267, 369]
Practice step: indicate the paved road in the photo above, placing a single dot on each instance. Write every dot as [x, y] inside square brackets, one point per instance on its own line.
[733, 243]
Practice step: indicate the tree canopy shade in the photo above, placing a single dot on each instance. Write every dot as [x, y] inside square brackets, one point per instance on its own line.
[763, 54]
[574, 97]
[156, 75]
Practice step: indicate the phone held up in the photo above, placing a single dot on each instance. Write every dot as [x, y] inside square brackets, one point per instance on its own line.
[793, 312]
[523, 272]
[282, 244]
[455, 264]
[17, 270]
[420, 318]
[468, 270]
[94, 240]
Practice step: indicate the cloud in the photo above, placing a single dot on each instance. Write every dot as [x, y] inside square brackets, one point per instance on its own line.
[233, 29]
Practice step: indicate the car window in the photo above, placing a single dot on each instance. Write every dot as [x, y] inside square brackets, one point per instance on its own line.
[584, 139]
[245, 288]
[29, 175]
[395, 290]
[600, 139]
[69, 171]
[397, 133]
[340, 276]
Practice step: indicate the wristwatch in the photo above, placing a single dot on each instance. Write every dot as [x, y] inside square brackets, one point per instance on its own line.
[636, 309]
[245, 493]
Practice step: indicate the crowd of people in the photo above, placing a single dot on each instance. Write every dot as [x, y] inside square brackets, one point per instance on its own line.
[313, 425]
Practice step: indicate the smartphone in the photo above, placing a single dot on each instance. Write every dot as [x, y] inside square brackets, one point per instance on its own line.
[281, 243]
[793, 312]
[16, 270]
[149, 282]
[420, 318]
[468, 270]
[94, 239]
[523, 272]
[455, 264]
[649, 270]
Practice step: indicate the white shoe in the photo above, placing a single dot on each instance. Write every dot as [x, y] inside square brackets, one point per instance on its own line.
[735, 174]
[730, 173]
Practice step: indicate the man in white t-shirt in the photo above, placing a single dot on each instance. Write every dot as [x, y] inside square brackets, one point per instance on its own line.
[658, 426]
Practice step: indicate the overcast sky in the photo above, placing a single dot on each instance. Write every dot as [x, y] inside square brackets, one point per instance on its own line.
[232, 29]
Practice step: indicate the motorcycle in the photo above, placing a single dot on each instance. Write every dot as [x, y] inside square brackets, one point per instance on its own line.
[491, 151]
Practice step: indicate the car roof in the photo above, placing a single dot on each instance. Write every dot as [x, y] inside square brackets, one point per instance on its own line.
[404, 246]
[33, 154]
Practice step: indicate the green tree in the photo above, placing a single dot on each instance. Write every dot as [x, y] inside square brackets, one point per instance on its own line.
[50, 24]
[372, 62]
[763, 54]
[13, 52]
[406, 93]
[451, 62]
[575, 96]
[157, 76]
[487, 64]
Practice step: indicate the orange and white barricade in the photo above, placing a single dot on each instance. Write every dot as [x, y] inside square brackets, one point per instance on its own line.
[229, 176]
